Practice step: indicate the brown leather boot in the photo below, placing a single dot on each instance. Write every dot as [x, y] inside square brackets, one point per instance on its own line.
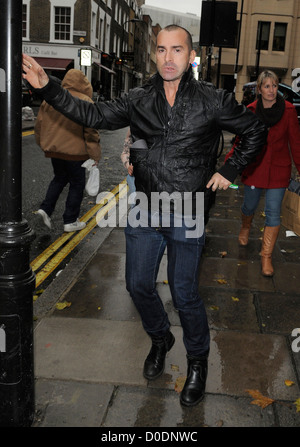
[268, 242]
[245, 229]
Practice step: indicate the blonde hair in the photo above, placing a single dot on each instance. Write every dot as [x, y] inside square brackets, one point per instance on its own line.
[263, 76]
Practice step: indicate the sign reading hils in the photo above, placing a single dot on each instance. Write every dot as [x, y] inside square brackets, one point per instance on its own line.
[85, 57]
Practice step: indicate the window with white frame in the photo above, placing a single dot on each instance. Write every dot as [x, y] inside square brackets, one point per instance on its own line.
[95, 25]
[62, 23]
[62, 18]
[25, 19]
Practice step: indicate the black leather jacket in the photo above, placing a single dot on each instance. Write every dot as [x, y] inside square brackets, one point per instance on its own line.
[182, 141]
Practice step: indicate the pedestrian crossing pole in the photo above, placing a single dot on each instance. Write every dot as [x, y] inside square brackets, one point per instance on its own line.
[17, 280]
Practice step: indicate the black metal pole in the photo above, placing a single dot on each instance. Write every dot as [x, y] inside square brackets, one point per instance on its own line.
[219, 67]
[258, 50]
[238, 47]
[16, 277]
[211, 39]
[121, 65]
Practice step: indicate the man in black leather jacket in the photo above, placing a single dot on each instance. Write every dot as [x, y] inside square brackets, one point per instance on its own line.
[180, 120]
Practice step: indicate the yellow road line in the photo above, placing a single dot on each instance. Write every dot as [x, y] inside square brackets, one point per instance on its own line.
[117, 192]
[25, 133]
[57, 259]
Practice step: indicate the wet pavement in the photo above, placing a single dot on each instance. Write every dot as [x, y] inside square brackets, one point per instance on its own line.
[89, 356]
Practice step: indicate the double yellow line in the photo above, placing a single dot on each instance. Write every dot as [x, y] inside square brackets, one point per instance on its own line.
[75, 238]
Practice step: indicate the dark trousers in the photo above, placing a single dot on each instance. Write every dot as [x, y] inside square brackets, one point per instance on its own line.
[144, 250]
[66, 171]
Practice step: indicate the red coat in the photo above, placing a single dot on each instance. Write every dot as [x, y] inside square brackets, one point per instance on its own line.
[272, 168]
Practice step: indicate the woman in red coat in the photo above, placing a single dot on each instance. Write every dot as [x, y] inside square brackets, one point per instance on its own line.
[271, 170]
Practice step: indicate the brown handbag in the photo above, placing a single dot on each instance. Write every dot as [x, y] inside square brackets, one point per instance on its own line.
[290, 208]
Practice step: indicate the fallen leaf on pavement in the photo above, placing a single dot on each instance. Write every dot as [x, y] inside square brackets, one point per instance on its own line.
[297, 403]
[289, 382]
[174, 367]
[234, 298]
[223, 254]
[62, 305]
[180, 381]
[222, 281]
[39, 291]
[259, 399]
[214, 307]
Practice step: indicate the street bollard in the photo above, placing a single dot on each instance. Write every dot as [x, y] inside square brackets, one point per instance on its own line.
[17, 280]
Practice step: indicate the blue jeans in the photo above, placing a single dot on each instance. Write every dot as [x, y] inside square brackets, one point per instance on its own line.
[66, 171]
[145, 247]
[131, 183]
[131, 186]
[273, 200]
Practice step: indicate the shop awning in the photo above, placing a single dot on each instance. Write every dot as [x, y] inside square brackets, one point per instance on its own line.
[51, 63]
[105, 68]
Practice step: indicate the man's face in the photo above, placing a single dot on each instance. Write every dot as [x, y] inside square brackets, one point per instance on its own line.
[173, 55]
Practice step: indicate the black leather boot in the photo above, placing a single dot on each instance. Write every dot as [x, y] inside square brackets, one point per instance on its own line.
[194, 387]
[155, 362]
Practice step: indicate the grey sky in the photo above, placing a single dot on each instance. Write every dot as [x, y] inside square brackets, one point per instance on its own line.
[193, 6]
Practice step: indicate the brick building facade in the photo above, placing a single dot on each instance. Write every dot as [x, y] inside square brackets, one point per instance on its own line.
[55, 32]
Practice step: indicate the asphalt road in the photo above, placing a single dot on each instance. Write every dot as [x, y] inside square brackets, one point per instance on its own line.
[36, 175]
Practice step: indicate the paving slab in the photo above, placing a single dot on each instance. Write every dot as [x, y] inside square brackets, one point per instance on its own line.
[90, 350]
[250, 361]
[235, 274]
[156, 408]
[280, 312]
[286, 279]
[221, 246]
[230, 309]
[71, 403]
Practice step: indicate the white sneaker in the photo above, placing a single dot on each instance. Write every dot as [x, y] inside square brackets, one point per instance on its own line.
[45, 217]
[75, 226]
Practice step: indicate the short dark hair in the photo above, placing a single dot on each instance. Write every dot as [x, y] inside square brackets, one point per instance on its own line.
[175, 27]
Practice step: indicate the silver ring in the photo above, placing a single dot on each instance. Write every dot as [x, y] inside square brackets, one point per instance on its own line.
[30, 65]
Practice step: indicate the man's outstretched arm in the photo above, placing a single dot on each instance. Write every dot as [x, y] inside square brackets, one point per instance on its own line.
[109, 115]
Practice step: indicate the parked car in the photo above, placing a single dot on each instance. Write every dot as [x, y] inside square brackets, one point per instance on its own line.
[27, 95]
[288, 93]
